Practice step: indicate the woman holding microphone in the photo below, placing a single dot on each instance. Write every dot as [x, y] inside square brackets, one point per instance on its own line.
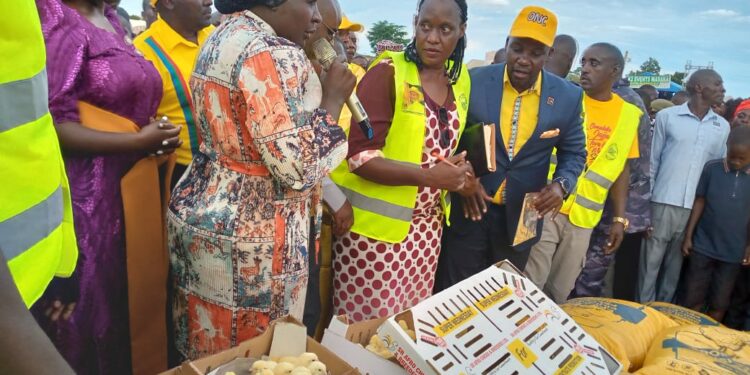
[239, 220]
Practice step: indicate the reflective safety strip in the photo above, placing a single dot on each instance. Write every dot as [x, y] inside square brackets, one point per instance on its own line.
[587, 203]
[378, 206]
[24, 101]
[553, 159]
[21, 232]
[599, 179]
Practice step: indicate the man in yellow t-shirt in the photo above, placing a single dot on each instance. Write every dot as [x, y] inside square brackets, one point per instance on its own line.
[172, 44]
[558, 258]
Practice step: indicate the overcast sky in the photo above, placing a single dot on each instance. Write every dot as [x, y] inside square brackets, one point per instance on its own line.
[672, 31]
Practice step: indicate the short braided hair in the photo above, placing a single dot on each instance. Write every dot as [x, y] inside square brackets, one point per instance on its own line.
[457, 57]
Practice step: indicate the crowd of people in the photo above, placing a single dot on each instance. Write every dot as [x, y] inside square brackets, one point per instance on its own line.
[209, 168]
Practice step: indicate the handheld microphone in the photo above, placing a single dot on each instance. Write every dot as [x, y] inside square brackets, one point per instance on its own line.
[326, 55]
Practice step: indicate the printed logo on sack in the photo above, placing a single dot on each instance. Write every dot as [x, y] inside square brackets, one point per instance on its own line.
[538, 18]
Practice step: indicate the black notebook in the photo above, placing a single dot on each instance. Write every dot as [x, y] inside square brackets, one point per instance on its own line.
[478, 141]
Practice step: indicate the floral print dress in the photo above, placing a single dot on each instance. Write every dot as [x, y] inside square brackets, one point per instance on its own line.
[239, 223]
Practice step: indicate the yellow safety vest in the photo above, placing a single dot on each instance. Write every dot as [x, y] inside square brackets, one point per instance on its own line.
[587, 200]
[385, 212]
[36, 219]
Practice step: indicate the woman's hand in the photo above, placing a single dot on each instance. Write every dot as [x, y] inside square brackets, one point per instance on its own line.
[338, 84]
[343, 219]
[160, 137]
[450, 174]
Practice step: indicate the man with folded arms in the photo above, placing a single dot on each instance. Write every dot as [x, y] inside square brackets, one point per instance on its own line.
[534, 112]
[611, 127]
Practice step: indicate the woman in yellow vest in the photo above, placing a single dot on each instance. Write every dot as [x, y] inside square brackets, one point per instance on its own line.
[417, 102]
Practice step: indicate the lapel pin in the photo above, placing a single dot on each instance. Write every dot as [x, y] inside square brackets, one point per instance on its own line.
[550, 100]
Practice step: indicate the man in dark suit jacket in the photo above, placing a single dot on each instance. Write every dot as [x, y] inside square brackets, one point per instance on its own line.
[482, 233]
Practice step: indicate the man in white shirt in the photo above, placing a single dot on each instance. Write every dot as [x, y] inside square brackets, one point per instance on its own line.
[685, 138]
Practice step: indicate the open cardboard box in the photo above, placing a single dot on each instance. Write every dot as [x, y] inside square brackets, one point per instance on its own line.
[348, 340]
[495, 322]
[285, 336]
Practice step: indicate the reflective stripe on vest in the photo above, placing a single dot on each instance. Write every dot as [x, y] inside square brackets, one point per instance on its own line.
[36, 219]
[598, 179]
[587, 202]
[385, 213]
[24, 101]
[22, 231]
[378, 206]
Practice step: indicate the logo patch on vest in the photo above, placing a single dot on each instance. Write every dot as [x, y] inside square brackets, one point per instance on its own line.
[413, 99]
[538, 18]
[612, 152]
[463, 101]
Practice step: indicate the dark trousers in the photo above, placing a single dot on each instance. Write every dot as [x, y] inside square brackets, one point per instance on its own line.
[625, 284]
[471, 247]
[179, 170]
[738, 316]
[311, 316]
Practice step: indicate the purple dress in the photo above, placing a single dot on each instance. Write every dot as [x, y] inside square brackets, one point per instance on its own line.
[90, 64]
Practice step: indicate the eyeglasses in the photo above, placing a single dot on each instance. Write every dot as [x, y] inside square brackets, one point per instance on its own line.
[443, 123]
[331, 31]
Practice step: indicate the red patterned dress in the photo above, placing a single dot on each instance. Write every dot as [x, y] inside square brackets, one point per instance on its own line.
[373, 278]
[239, 219]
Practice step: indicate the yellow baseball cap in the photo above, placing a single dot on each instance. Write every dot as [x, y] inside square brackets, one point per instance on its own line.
[153, 3]
[346, 24]
[536, 23]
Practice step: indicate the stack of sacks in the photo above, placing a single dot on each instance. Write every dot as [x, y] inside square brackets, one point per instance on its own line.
[698, 350]
[625, 329]
[682, 315]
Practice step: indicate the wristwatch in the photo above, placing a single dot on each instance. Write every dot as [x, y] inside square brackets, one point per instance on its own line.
[564, 184]
[625, 222]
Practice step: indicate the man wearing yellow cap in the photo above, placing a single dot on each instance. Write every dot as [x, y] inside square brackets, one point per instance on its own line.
[347, 30]
[534, 112]
[172, 44]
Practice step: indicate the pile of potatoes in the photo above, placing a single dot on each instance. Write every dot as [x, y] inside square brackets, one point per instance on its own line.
[305, 364]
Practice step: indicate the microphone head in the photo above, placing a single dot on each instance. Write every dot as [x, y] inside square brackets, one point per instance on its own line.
[324, 52]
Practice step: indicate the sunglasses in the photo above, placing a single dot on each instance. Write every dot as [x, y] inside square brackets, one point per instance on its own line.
[444, 126]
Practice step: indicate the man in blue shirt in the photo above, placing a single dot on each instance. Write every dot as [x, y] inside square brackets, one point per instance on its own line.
[685, 137]
[716, 239]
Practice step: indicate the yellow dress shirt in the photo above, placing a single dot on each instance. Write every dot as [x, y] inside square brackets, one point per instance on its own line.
[527, 113]
[181, 53]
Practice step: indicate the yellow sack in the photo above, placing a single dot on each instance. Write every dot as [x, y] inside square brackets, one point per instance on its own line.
[698, 350]
[682, 315]
[625, 329]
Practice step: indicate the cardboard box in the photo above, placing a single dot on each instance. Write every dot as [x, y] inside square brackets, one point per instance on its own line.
[348, 340]
[496, 322]
[264, 345]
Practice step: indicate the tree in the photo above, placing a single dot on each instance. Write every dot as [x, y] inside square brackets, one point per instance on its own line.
[650, 66]
[135, 17]
[384, 30]
[679, 78]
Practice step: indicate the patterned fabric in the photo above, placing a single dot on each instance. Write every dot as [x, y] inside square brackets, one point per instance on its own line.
[86, 63]
[239, 221]
[375, 279]
[638, 208]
